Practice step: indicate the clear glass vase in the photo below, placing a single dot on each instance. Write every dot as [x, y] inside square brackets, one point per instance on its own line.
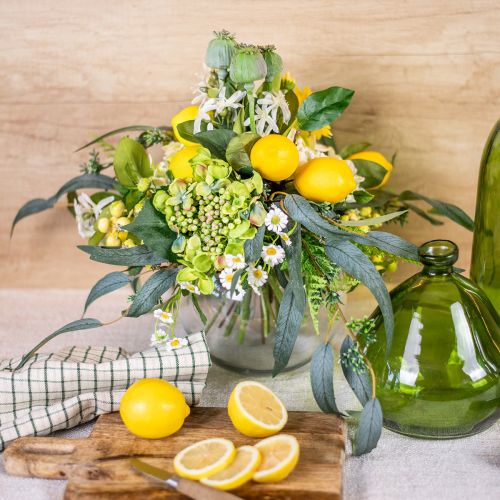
[241, 335]
[485, 266]
[441, 378]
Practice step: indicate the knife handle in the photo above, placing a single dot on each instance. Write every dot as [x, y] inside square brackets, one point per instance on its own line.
[199, 491]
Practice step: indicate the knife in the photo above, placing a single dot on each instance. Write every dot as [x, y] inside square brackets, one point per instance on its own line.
[192, 489]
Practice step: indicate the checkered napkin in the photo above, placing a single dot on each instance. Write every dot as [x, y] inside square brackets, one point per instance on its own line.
[61, 390]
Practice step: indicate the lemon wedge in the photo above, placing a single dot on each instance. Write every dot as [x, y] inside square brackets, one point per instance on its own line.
[255, 410]
[280, 455]
[239, 471]
[204, 458]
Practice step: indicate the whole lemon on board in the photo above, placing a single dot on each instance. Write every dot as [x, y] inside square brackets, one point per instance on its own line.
[153, 408]
[275, 157]
[324, 179]
[179, 163]
[379, 159]
[184, 115]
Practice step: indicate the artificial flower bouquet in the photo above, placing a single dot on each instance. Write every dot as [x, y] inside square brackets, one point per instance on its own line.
[251, 197]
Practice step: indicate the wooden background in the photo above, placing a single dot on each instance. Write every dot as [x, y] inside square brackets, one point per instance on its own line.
[426, 75]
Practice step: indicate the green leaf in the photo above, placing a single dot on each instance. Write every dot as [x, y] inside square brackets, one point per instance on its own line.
[424, 214]
[322, 379]
[352, 149]
[216, 141]
[374, 220]
[389, 243]
[292, 307]
[352, 260]
[238, 151]
[323, 107]
[253, 247]
[131, 162]
[371, 171]
[359, 382]
[449, 210]
[198, 308]
[369, 428]
[151, 227]
[132, 198]
[151, 292]
[131, 128]
[109, 283]
[81, 182]
[140, 255]
[79, 324]
[185, 130]
[234, 281]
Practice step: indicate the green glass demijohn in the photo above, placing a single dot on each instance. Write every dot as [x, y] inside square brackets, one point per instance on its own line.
[440, 378]
[485, 266]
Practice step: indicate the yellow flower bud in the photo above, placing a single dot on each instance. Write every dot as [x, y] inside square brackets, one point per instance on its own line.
[366, 211]
[112, 240]
[103, 225]
[344, 217]
[392, 266]
[122, 222]
[377, 259]
[123, 235]
[128, 243]
[117, 208]
[365, 229]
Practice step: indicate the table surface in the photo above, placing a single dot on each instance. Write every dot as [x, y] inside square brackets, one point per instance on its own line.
[400, 467]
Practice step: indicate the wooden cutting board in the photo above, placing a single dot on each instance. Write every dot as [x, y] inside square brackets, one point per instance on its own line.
[97, 467]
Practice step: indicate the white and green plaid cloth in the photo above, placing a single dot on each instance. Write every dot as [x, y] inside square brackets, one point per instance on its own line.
[61, 390]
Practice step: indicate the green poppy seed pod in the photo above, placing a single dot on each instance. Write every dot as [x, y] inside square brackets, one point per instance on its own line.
[273, 60]
[248, 65]
[220, 50]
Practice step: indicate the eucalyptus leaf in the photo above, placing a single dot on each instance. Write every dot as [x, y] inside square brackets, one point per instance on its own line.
[216, 141]
[131, 128]
[235, 280]
[84, 181]
[139, 255]
[374, 220]
[131, 162]
[199, 310]
[151, 227]
[449, 210]
[352, 149]
[424, 214]
[369, 428]
[352, 260]
[323, 107]
[253, 247]
[359, 381]
[372, 172]
[151, 292]
[79, 324]
[389, 243]
[109, 283]
[322, 378]
[238, 151]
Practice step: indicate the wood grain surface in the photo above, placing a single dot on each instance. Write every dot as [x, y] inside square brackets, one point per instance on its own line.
[426, 75]
[98, 467]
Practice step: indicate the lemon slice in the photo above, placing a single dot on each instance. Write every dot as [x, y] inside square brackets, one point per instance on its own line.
[280, 455]
[204, 458]
[239, 471]
[255, 410]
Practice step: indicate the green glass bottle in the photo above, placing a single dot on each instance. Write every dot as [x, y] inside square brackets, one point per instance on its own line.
[485, 266]
[441, 378]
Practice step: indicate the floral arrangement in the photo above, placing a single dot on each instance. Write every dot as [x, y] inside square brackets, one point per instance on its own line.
[250, 197]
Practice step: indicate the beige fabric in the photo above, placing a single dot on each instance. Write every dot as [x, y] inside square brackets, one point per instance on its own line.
[400, 467]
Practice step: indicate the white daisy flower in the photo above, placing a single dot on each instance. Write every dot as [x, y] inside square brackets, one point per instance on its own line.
[159, 337]
[273, 255]
[176, 343]
[237, 295]
[235, 261]
[226, 278]
[87, 212]
[190, 288]
[276, 220]
[164, 317]
[256, 276]
[306, 153]
[285, 239]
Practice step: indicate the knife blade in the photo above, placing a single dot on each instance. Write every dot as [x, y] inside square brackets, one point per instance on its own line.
[192, 489]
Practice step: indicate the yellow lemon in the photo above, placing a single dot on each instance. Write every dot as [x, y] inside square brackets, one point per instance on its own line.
[379, 159]
[238, 472]
[324, 179]
[153, 408]
[280, 455]
[255, 410]
[184, 115]
[204, 458]
[179, 163]
[275, 157]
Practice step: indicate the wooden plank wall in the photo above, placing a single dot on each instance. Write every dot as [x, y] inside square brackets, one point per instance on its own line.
[426, 74]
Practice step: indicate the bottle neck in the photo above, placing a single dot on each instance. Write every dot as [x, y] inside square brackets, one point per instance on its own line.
[435, 270]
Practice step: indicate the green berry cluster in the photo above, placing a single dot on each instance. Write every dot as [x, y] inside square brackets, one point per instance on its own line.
[354, 359]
